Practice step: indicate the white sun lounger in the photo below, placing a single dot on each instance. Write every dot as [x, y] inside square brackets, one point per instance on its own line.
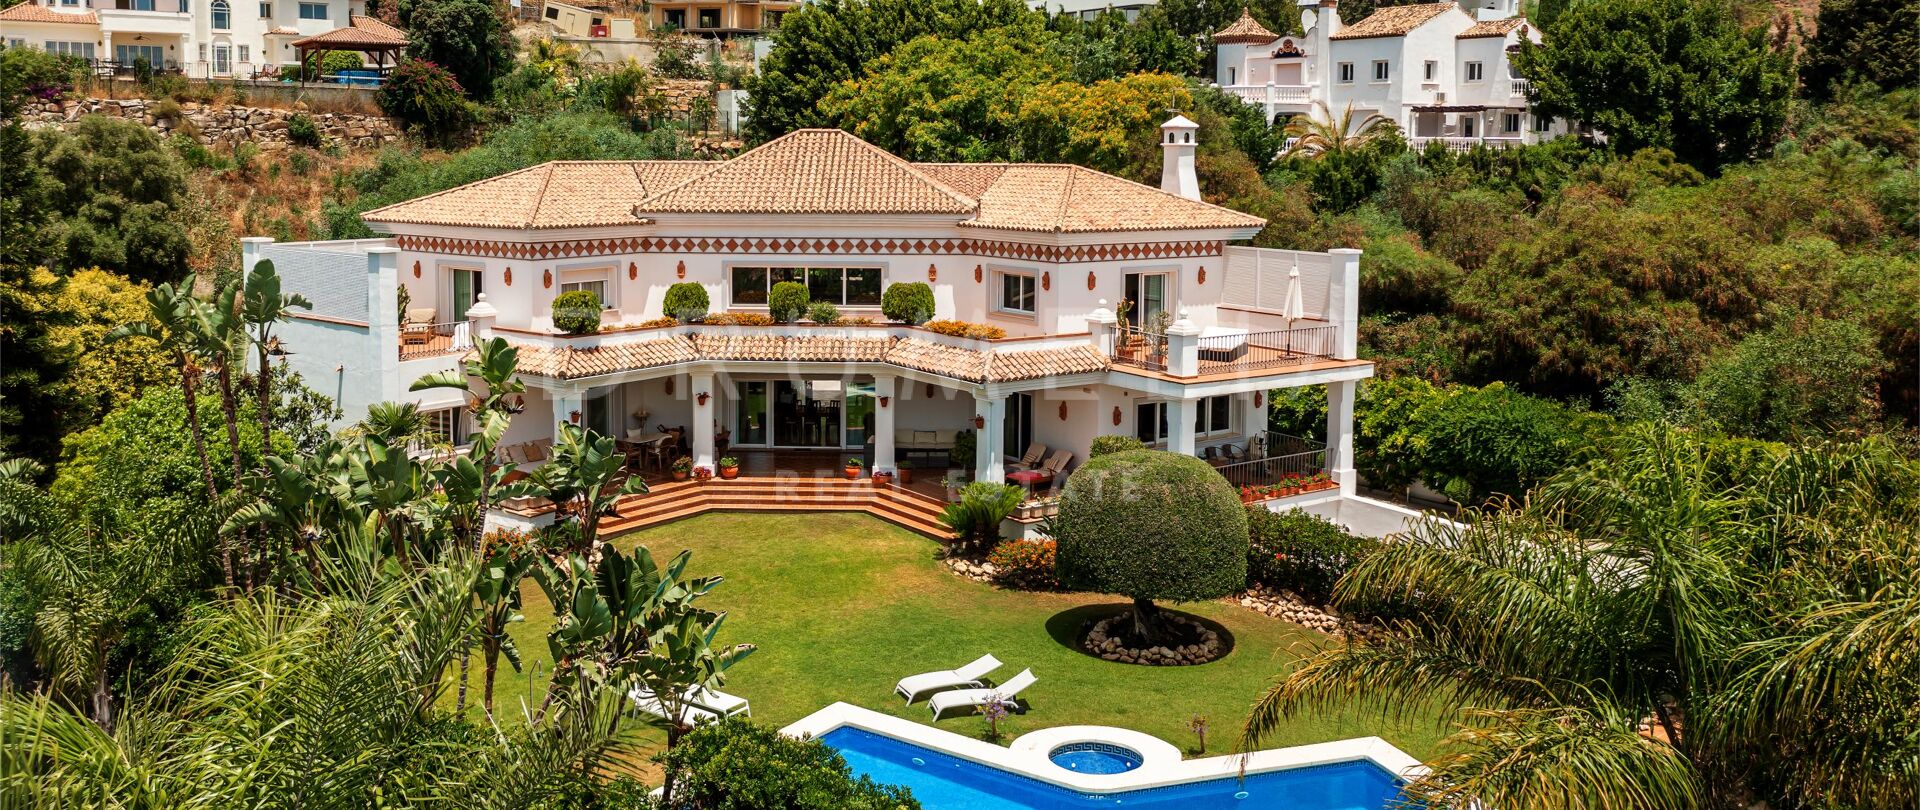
[703, 705]
[969, 675]
[940, 703]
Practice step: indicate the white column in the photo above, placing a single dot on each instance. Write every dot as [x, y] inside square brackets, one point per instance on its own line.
[250, 251]
[1343, 304]
[1253, 413]
[1101, 324]
[1180, 416]
[700, 387]
[987, 462]
[383, 319]
[1183, 347]
[1340, 434]
[885, 403]
[566, 403]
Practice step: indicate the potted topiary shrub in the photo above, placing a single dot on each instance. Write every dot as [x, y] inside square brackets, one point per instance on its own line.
[787, 301]
[577, 312]
[682, 467]
[909, 302]
[965, 447]
[729, 468]
[905, 469]
[853, 468]
[685, 302]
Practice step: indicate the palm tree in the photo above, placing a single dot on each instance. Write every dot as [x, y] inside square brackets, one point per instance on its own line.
[1313, 137]
[561, 60]
[172, 322]
[261, 307]
[1619, 635]
[222, 339]
[497, 589]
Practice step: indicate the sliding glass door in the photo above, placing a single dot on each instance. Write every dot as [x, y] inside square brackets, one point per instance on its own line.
[1148, 292]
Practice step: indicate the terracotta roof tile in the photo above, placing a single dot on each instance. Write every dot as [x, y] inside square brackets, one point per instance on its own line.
[360, 30]
[1075, 199]
[567, 363]
[560, 194]
[1393, 21]
[33, 12]
[790, 348]
[812, 171]
[1029, 364]
[822, 173]
[1492, 28]
[939, 358]
[1245, 31]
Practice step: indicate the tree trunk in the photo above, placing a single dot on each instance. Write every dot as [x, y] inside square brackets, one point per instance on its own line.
[264, 391]
[492, 654]
[102, 697]
[460, 702]
[231, 406]
[190, 396]
[1147, 624]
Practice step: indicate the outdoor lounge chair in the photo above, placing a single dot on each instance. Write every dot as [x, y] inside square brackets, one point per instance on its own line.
[418, 326]
[940, 703]
[1030, 459]
[702, 705]
[969, 675]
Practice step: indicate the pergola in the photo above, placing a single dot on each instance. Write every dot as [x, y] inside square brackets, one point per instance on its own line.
[364, 34]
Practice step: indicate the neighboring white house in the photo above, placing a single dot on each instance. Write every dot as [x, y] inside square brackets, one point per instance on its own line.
[1435, 70]
[1048, 253]
[200, 38]
[1089, 9]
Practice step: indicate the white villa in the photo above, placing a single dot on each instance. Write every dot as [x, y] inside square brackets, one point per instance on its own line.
[1436, 70]
[199, 38]
[1047, 253]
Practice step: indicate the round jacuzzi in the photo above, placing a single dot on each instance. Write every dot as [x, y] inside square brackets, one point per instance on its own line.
[1095, 757]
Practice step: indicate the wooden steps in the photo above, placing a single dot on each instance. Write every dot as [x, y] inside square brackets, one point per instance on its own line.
[674, 500]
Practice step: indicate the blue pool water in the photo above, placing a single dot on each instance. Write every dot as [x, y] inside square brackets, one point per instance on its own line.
[944, 782]
[1092, 757]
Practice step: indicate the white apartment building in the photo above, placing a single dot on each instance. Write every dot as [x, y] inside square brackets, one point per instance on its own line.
[199, 38]
[1436, 70]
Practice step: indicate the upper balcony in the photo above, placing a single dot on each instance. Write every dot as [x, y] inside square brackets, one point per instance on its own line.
[163, 17]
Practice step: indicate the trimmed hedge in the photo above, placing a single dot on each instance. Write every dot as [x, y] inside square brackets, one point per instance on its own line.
[577, 312]
[1149, 524]
[1303, 553]
[908, 302]
[980, 331]
[787, 302]
[1117, 443]
[685, 302]
[742, 764]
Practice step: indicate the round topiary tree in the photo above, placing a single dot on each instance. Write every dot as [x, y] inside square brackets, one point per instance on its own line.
[1115, 443]
[1148, 524]
[686, 302]
[787, 301]
[908, 302]
[577, 312]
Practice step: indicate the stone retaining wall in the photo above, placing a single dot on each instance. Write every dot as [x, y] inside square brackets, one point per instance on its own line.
[224, 124]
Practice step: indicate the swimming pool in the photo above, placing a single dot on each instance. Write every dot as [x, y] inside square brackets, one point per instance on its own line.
[942, 781]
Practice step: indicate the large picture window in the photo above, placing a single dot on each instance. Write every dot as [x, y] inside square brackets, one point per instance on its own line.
[841, 286]
[1215, 415]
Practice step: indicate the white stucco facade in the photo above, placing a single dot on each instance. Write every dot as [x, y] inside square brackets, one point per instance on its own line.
[199, 38]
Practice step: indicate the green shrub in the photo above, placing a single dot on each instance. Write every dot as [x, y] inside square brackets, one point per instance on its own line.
[823, 312]
[577, 312]
[741, 765]
[426, 98]
[1298, 552]
[787, 301]
[966, 446]
[908, 302]
[1116, 443]
[1025, 565]
[975, 518]
[1151, 525]
[1478, 443]
[301, 130]
[686, 302]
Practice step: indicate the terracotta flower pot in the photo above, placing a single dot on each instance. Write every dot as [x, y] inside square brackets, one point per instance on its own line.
[680, 475]
[729, 473]
[853, 473]
[906, 475]
[882, 478]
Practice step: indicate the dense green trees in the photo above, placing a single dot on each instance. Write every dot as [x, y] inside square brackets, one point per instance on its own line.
[470, 38]
[737, 765]
[1677, 621]
[114, 189]
[1672, 74]
[1871, 41]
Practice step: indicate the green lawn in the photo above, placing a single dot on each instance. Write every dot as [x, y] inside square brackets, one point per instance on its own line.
[843, 605]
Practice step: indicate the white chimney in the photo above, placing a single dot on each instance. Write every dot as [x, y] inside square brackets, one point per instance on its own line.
[1490, 9]
[1177, 175]
[1326, 21]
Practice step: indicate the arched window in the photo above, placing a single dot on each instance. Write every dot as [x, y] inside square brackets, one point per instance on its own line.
[222, 16]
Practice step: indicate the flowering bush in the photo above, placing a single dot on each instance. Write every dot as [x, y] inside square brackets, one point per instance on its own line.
[1289, 484]
[964, 329]
[1299, 552]
[738, 319]
[427, 98]
[1025, 565]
